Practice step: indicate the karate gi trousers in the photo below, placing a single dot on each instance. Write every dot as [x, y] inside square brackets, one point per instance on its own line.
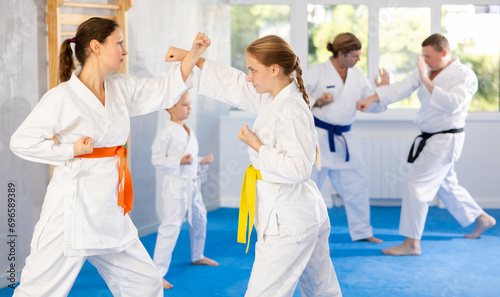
[176, 207]
[352, 186]
[49, 273]
[281, 263]
[433, 173]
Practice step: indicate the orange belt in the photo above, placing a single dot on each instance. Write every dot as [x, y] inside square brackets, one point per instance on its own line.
[125, 190]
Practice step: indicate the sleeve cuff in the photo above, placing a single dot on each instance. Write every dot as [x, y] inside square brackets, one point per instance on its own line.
[263, 152]
[68, 151]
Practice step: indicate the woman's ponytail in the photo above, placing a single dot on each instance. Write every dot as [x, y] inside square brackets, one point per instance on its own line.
[300, 81]
[305, 95]
[66, 62]
[94, 28]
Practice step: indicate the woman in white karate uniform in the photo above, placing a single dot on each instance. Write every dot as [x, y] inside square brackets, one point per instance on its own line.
[290, 215]
[175, 153]
[335, 87]
[84, 211]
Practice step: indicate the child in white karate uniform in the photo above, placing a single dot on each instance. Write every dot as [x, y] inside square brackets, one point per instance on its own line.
[291, 218]
[175, 153]
[84, 213]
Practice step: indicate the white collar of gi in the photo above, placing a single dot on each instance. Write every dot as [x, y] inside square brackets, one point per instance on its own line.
[454, 63]
[83, 92]
[286, 92]
[455, 60]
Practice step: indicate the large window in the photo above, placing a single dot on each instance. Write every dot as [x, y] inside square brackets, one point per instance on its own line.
[401, 32]
[391, 35]
[474, 36]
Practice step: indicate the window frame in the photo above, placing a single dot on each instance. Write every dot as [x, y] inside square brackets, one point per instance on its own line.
[298, 22]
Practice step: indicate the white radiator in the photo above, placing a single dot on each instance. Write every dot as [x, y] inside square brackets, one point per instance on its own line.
[386, 165]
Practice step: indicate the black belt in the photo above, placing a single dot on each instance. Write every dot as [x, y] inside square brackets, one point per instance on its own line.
[334, 130]
[425, 136]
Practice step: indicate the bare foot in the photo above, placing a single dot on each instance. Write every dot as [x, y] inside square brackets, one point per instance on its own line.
[409, 247]
[483, 223]
[167, 285]
[373, 239]
[205, 261]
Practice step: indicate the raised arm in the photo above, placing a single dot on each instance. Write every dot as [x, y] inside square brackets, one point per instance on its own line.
[388, 94]
[176, 54]
[189, 58]
[200, 44]
[221, 82]
[230, 85]
[146, 95]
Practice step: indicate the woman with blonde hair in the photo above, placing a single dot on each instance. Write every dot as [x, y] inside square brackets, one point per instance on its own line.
[290, 215]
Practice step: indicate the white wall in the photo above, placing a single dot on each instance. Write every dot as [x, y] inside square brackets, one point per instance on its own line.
[23, 79]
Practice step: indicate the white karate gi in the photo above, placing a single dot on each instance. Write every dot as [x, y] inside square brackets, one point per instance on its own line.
[80, 217]
[433, 171]
[181, 195]
[291, 218]
[348, 178]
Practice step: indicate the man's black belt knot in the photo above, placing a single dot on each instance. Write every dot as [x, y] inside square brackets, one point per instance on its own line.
[425, 136]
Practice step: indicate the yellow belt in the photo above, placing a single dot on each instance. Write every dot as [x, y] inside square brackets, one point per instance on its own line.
[247, 204]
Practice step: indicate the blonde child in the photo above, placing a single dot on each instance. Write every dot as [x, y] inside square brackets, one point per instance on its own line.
[174, 152]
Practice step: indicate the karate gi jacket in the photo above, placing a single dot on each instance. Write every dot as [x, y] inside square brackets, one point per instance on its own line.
[285, 126]
[179, 181]
[324, 78]
[87, 188]
[447, 107]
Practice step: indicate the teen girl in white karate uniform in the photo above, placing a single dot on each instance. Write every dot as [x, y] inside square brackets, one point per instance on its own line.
[445, 93]
[81, 218]
[290, 215]
[175, 153]
[333, 99]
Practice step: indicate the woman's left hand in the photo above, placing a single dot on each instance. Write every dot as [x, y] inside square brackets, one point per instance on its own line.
[200, 44]
[248, 137]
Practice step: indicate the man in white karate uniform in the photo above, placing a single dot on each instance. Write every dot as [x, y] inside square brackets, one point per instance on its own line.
[445, 89]
[335, 87]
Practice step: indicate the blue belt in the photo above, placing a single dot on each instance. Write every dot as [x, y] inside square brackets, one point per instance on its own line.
[334, 130]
